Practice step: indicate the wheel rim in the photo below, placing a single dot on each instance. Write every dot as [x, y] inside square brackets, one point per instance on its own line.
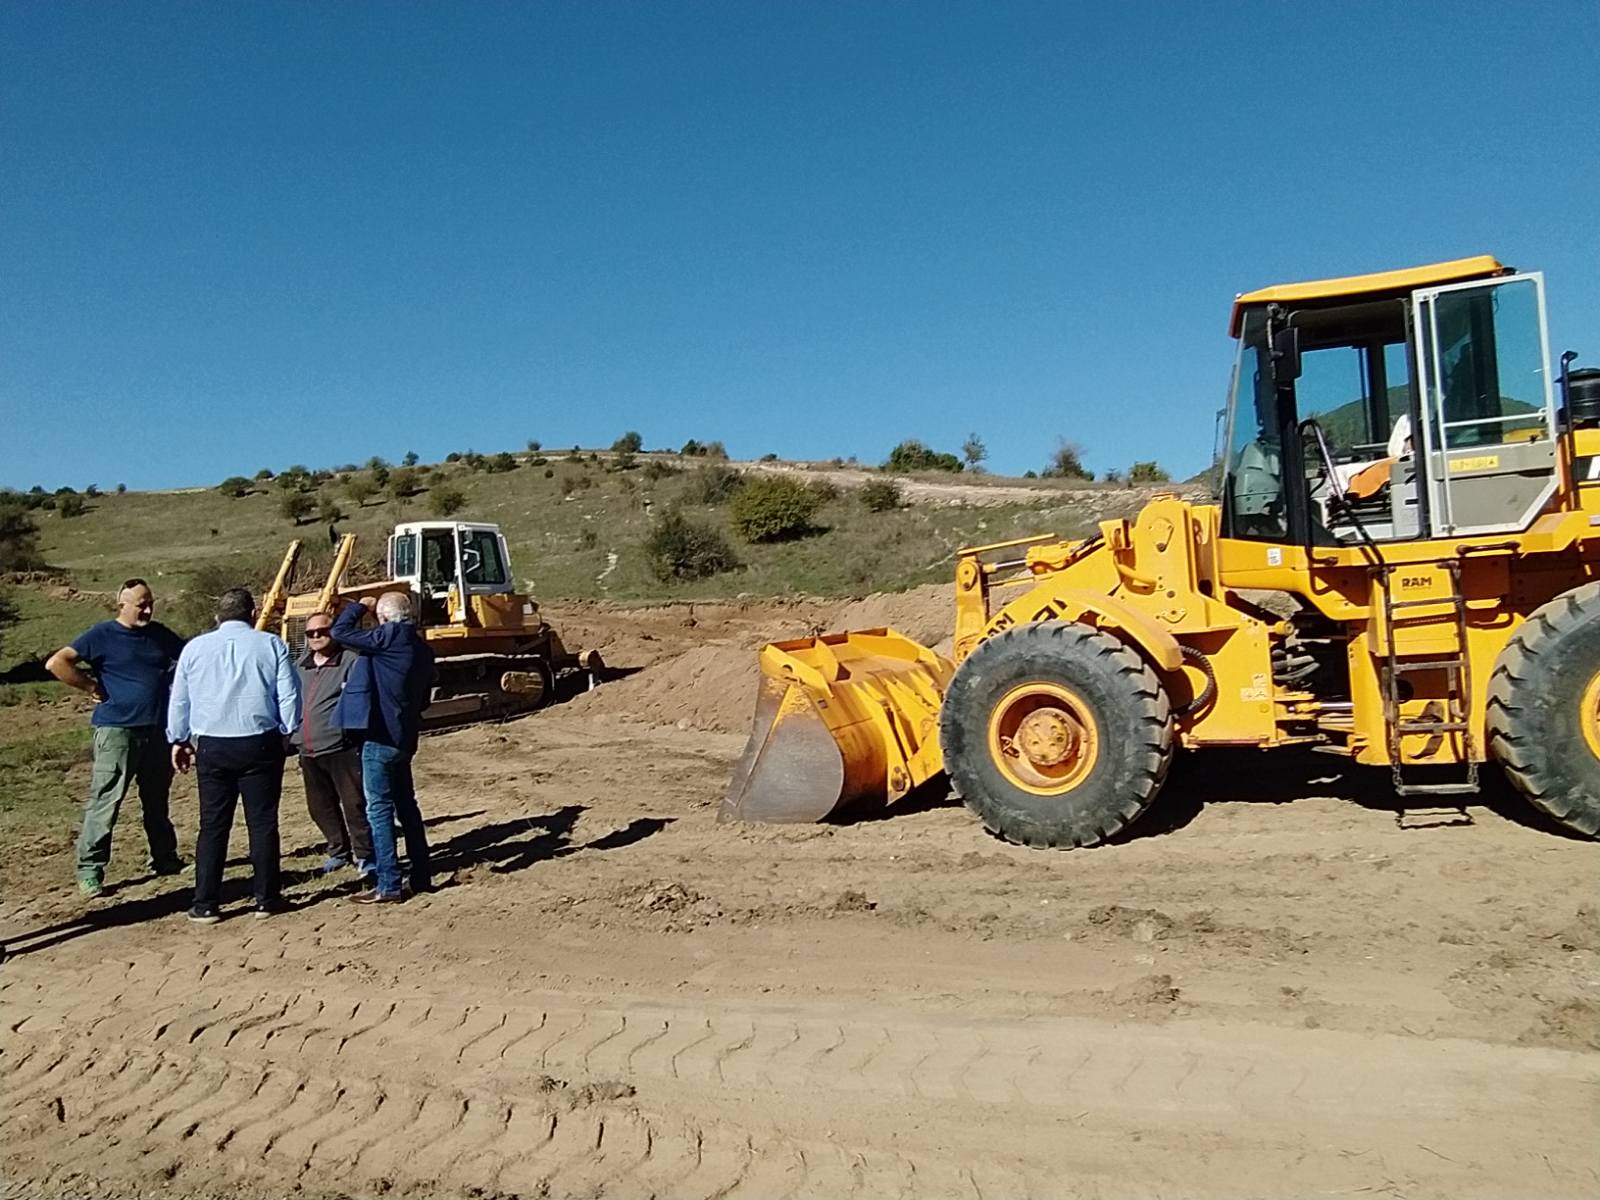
[1043, 738]
[1589, 715]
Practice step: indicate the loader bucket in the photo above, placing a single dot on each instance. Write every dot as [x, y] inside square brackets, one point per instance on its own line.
[842, 719]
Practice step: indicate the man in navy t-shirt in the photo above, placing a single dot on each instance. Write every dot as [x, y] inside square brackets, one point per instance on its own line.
[130, 661]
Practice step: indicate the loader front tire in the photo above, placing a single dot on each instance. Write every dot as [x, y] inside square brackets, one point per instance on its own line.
[1544, 709]
[1056, 734]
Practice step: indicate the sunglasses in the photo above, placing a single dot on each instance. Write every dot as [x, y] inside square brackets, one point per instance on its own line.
[318, 632]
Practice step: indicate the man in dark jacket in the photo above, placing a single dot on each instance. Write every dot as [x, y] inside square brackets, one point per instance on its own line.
[330, 758]
[383, 700]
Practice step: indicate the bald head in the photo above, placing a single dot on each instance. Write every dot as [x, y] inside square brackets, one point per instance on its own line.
[136, 604]
[394, 606]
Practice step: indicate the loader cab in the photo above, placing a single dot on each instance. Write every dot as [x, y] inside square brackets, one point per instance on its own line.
[1397, 407]
[445, 561]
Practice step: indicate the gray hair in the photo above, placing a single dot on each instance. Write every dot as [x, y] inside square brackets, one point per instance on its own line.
[235, 604]
[394, 606]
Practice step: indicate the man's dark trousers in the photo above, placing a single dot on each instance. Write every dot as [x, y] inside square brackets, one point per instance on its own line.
[335, 800]
[227, 769]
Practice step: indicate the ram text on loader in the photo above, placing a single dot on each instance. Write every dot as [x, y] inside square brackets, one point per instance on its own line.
[495, 656]
[1401, 461]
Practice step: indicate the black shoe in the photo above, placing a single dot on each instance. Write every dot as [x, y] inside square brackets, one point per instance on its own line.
[204, 916]
[176, 867]
[271, 908]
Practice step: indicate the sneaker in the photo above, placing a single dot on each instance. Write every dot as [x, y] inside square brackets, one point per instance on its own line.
[332, 863]
[204, 916]
[271, 908]
[89, 889]
[375, 897]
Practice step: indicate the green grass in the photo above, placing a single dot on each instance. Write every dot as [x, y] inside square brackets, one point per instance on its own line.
[560, 544]
[47, 622]
[34, 792]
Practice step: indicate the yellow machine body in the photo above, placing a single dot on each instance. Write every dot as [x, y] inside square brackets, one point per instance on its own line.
[1407, 609]
[495, 656]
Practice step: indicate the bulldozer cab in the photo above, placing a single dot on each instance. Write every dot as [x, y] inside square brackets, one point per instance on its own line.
[446, 561]
[1396, 407]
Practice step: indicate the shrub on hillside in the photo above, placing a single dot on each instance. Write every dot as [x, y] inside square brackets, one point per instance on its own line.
[298, 506]
[880, 495]
[772, 509]
[769, 456]
[328, 512]
[912, 455]
[628, 443]
[453, 457]
[681, 548]
[380, 476]
[623, 460]
[825, 490]
[92, 491]
[500, 463]
[360, 489]
[575, 483]
[235, 486]
[446, 501]
[264, 474]
[70, 505]
[535, 445]
[712, 485]
[655, 470]
[974, 451]
[405, 481]
[410, 460]
[122, 489]
[1147, 472]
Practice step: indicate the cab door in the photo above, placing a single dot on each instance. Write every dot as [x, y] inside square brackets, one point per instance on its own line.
[1489, 430]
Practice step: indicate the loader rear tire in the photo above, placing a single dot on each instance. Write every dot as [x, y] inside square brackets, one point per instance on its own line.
[1544, 709]
[1056, 734]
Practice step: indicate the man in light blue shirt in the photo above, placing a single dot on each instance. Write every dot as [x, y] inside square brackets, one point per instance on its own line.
[235, 701]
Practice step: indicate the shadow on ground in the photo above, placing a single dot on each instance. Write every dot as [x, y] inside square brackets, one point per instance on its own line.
[502, 846]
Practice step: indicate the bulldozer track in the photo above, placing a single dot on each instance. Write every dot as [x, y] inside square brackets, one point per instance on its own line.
[190, 1069]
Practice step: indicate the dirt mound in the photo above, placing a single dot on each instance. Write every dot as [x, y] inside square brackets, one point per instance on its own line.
[925, 614]
[711, 688]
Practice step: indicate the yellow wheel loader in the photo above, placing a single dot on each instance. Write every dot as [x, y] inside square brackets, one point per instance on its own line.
[495, 657]
[1407, 474]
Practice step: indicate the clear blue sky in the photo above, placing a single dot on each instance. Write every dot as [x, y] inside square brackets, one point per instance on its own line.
[240, 235]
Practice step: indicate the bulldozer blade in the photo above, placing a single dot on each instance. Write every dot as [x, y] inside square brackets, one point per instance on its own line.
[843, 719]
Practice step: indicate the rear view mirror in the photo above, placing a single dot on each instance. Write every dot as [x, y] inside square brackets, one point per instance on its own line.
[1286, 355]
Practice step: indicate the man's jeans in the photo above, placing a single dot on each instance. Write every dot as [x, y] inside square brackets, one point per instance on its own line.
[121, 757]
[386, 779]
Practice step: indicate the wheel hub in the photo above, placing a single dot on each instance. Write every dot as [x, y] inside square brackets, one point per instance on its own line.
[1047, 737]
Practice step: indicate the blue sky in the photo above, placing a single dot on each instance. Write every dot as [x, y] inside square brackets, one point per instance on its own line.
[243, 235]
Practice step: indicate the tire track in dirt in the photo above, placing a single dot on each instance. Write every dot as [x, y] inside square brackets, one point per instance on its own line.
[248, 1080]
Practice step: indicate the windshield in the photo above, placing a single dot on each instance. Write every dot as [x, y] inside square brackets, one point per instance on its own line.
[1253, 500]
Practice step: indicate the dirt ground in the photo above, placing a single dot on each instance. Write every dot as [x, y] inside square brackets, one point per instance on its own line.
[1270, 990]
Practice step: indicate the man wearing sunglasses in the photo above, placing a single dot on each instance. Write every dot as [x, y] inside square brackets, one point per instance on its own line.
[330, 758]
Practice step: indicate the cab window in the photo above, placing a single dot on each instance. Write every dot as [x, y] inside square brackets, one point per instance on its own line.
[481, 563]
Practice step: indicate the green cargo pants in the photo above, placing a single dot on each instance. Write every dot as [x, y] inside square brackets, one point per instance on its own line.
[121, 757]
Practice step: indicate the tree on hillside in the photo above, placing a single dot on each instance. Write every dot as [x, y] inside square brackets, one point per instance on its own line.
[377, 462]
[1147, 472]
[405, 481]
[534, 445]
[446, 502]
[19, 537]
[628, 443]
[360, 489]
[974, 451]
[298, 506]
[234, 486]
[410, 460]
[1066, 462]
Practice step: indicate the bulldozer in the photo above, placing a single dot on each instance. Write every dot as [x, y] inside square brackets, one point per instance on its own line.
[1401, 567]
[495, 656]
